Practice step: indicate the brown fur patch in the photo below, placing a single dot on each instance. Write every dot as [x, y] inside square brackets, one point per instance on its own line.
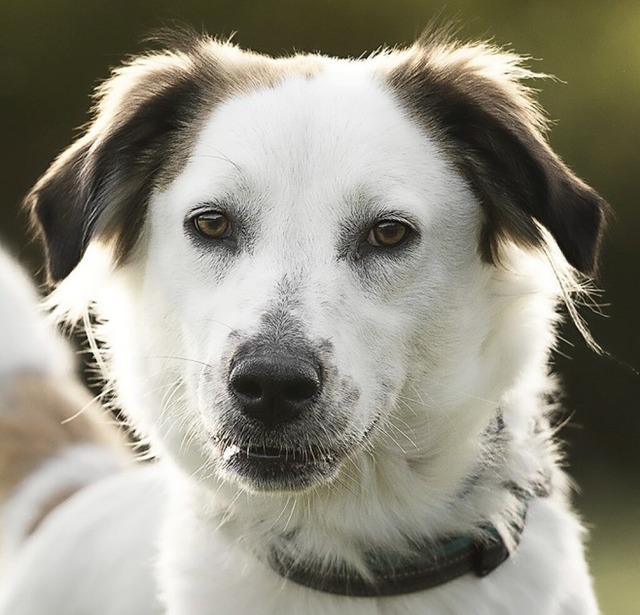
[41, 415]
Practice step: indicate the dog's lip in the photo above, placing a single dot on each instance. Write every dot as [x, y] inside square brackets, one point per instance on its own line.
[285, 456]
[270, 454]
[268, 468]
[276, 466]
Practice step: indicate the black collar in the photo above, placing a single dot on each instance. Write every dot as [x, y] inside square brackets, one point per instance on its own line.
[434, 564]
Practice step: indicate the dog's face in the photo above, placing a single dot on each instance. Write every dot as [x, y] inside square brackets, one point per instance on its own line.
[310, 259]
[315, 240]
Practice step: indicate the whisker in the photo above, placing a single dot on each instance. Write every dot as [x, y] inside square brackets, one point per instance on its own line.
[178, 358]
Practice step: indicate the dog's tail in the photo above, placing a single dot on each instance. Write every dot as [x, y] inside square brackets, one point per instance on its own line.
[54, 440]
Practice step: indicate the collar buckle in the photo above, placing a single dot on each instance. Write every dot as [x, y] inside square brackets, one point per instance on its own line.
[489, 556]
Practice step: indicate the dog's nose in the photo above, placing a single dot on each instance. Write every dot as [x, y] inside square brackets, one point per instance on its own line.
[274, 388]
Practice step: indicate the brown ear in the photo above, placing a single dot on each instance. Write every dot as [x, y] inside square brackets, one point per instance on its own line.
[100, 185]
[471, 98]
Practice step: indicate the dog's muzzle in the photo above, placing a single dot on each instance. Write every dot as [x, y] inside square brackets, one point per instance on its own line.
[271, 439]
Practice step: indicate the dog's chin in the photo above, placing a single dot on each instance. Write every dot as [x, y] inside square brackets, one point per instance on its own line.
[271, 469]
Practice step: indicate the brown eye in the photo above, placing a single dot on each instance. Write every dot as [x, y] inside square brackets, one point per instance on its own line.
[212, 225]
[388, 234]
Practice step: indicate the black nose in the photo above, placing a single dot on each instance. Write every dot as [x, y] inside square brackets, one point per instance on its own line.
[274, 387]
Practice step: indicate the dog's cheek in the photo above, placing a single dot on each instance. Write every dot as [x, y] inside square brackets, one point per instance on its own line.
[447, 316]
[369, 354]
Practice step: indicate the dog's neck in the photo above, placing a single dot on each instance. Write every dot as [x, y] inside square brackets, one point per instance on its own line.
[390, 507]
[429, 564]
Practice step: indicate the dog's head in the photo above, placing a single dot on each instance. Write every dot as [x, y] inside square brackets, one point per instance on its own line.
[316, 255]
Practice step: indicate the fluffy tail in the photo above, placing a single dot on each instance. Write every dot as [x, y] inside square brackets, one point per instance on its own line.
[54, 438]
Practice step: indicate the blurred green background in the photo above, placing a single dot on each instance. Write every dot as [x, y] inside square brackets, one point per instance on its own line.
[53, 52]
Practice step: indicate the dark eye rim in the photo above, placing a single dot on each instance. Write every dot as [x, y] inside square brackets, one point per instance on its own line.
[409, 234]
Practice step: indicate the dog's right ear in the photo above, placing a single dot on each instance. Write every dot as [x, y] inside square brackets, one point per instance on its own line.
[98, 188]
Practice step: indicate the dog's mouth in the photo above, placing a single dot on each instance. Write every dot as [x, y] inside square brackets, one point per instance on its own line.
[272, 468]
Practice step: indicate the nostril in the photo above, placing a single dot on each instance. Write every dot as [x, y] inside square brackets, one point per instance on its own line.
[247, 387]
[301, 390]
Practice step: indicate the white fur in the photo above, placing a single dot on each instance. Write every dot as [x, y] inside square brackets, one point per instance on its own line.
[27, 342]
[452, 337]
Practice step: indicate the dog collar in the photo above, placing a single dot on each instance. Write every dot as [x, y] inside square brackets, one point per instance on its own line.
[434, 564]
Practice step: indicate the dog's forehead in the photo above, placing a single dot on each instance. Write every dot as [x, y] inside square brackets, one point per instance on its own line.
[330, 136]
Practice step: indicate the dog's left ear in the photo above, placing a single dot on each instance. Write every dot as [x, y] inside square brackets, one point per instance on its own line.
[471, 98]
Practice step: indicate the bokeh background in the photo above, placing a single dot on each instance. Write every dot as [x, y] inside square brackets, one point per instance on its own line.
[53, 53]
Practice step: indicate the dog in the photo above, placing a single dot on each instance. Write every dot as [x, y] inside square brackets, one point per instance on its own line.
[326, 294]
[54, 440]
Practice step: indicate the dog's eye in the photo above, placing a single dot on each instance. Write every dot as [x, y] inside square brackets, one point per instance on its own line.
[388, 234]
[212, 225]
